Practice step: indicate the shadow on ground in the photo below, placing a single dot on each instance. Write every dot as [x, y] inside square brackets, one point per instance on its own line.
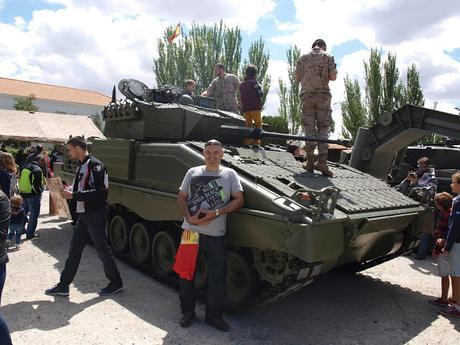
[335, 309]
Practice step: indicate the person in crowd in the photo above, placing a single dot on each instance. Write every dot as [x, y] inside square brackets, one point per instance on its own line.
[423, 176]
[224, 88]
[5, 213]
[38, 150]
[452, 249]
[31, 185]
[251, 103]
[90, 189]
[48, 171]
[443, 203]
[295, 151]
[190, 87]
[34, 152]
[9, 165]
[188, 95]
[17, 222]
[5, 176]
[21, 157]
[314, 71]
[207, 194]
[3, 148]
[57, 156]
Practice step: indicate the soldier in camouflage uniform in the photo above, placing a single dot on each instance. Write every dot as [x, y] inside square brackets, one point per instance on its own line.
[313, 71]
[224, 88]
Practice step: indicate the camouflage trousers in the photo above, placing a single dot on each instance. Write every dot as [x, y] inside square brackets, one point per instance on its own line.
[316, 118]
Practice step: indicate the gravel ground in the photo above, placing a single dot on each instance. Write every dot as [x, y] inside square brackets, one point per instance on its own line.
[383, 305]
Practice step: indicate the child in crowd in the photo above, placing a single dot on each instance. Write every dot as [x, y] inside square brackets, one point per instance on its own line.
[443, 203]
[18, 220]
[452, 249]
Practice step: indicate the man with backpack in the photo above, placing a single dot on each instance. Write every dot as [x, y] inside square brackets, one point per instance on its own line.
[31, 185]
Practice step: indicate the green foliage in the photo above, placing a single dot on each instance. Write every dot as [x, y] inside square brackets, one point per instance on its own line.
[277, 124]
[391, 89]
[25, 103]
[373, 79]
[384, 91]
[290, 105]
[353, 110]
[195, 54]
[413, 92]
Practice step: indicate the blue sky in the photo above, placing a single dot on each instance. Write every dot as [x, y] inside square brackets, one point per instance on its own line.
[93, 44]
[24, 8]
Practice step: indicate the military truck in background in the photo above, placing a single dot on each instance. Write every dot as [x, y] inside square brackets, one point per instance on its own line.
[293, 227]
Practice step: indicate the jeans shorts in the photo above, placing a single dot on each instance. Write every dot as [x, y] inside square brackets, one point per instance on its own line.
[443, 265]
[454, 260]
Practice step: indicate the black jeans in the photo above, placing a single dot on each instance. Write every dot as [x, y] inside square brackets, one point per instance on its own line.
[213, 249]
[90, 226]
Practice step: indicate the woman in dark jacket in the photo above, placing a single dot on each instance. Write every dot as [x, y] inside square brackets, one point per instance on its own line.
[5, 214]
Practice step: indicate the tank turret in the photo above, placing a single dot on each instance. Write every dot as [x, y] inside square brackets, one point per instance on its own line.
[158, 115]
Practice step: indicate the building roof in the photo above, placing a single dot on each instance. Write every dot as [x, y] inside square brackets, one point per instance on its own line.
[44, 127]
[15, 87]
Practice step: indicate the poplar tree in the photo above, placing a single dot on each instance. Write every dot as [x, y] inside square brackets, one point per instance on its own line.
[353, 110]
[384, 91]
[290, 106]
[194, 55]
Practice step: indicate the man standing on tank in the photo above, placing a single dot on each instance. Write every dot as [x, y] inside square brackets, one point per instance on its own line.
[314, 71]
[224, 88]
[207, 194]
[89, 191]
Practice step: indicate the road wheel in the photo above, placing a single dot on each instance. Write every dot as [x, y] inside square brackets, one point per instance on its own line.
[163, 252]
[139, 243]
[119, 234]
[241, 279]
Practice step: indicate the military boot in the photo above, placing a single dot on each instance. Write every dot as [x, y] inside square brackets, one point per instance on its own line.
[322, 167]
[309, 165]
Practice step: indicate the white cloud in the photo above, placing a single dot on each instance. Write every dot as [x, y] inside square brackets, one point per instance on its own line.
[419, 31]
[277, 69]
[93, 45]
[19, 22]
[243, 13]
[80, 47]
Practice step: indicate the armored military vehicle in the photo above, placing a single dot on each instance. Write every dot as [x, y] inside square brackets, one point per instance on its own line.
[294, 225]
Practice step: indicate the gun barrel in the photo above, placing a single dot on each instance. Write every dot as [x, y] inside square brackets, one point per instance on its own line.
[257, 133]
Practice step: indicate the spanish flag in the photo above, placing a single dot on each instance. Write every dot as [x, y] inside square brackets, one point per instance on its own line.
[185, 263]
[175, 34]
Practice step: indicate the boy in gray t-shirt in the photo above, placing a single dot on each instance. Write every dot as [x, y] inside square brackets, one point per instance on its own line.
[209, 190]
[207, 194]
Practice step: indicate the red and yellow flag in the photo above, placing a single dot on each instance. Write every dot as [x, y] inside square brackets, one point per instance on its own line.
[175, 34]
[185, 263]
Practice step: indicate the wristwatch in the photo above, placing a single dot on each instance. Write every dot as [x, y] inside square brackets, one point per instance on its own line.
[217, 212]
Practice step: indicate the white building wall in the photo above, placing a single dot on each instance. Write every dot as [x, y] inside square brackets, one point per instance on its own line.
[50, 106]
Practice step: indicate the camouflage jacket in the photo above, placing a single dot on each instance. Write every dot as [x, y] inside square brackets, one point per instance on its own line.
[224, 90]
[314, 69]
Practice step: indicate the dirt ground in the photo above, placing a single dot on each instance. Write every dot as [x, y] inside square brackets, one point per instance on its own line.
[383, 305]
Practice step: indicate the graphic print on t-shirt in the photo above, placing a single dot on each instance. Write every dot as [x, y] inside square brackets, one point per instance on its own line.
[205, 189]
